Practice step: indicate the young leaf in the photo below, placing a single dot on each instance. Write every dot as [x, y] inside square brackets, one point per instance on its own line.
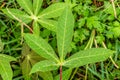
[52, 11]
[36, 6]
[88, 56]
[65, 32]
[49, 24]
[44, 66]
[41, 47]
[65, 75]
[26, 5]
[36, 28]
[16, 13]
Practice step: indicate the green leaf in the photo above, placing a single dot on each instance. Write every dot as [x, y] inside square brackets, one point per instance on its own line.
[5, 70]
[52, 11]
[88, 56]
[36, 28]
[65, 32]
[44, 66]
[41, 47]
[65, 75]
[36, 6]
[49, 24]
[26, 5]
[7, 58]
[16, 13]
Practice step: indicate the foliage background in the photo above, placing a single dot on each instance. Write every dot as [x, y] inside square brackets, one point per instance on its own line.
[98, 15]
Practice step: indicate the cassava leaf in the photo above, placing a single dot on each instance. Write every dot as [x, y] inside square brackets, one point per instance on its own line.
[44, 66]
[65, 75]
[16, 13]
[26, 5]
[49, 24]
[65, 32]
[41, 47]
[52, 11]
[36, 6]
[88, 56]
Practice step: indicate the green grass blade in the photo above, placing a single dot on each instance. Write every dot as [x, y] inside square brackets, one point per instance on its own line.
[88, 56]
[41, 47]
[64, 32]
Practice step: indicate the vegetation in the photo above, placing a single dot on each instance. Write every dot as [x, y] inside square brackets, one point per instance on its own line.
[59, 39]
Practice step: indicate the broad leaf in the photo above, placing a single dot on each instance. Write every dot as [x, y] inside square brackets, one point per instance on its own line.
[16, 13]
[52, 11]
[41, 47]
[44, 66]
[88, 56]
[65, 75]
[49, 24]
[26, 5]
[65, 32]
[36, 6]
[36, 28]
[5, 68]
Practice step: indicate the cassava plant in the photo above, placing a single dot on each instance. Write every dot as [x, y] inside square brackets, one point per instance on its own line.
[64, 33]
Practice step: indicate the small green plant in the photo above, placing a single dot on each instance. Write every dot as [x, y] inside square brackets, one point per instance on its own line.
[64, 34]
[63, 48]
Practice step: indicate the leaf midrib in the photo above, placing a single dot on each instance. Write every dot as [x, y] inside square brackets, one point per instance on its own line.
[4, 69]
[44, 49]
[64, 35]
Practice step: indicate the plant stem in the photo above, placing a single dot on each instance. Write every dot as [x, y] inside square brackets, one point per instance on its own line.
[60, 72]
[89, 45]
[110, 56]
